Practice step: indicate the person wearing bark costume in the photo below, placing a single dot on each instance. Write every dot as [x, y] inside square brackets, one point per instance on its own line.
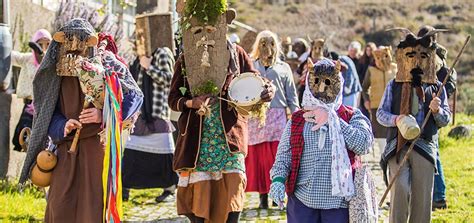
[71, 73]
[319, 149]
[373, 87]
[406, 101]
[263, 137]
[439, 188]
[211, 146]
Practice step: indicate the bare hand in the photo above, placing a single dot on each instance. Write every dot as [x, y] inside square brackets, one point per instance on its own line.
[398, 118]
[71, 124]
[90, 115]
[145, 62]
[269, 92]
[435, 104]
[196, 102]
[367, 105]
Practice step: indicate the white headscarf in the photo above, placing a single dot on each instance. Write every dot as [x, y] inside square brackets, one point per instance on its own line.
[341, 171]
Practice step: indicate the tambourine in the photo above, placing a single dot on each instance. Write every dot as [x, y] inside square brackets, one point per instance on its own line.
[244, 91]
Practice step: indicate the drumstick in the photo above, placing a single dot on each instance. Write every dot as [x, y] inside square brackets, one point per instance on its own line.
[73, 148]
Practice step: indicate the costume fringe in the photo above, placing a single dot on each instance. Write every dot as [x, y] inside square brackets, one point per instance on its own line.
[112, 171]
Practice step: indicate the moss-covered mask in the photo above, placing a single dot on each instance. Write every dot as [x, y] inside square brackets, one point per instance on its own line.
[204, 27]
[383, 58]
[324, 80]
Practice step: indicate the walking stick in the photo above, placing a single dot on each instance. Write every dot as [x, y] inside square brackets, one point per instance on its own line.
[455, 98]
[405, 158]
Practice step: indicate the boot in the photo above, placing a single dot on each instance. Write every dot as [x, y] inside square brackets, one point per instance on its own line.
[263, 201]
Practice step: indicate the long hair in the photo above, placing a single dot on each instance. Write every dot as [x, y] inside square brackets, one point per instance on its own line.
[255, 54]
[365, 59]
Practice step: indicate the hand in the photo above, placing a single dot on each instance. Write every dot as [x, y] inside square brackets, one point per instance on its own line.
[90, 115]
[398, 119]
[269, 92]
[435, 104]
[367, 104]
[196, 102]
[71, 124]
[277, 193]
[145, 62]
[319, 116]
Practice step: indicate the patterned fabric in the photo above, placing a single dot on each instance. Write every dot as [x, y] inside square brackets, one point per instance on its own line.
[275, 123]
[194, 177]
[214, 153]
[161, 71]
[387, 119]
[363, 207]
[277, 192]
[297, 145]
[313, 184]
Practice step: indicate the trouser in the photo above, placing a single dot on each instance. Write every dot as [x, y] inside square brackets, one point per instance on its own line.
[410, 196]
[5, 103]
[297, 212]
[439, 188]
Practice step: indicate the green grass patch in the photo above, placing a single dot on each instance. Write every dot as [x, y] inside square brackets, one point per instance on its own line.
[458, 165]
[25, 206]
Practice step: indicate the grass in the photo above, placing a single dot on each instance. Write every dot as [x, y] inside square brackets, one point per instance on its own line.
[456, 155]
[458, 165]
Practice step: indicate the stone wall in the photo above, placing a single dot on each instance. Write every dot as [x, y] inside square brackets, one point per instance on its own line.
[32, 16]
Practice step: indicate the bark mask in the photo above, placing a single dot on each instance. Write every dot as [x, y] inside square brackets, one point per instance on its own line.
[204, 27]
[416, 55]
[383, 58]
[266, 48]
[75, 39]
[317, 49]
[324, 80]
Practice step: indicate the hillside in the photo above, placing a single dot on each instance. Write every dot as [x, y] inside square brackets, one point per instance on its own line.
[340, 22]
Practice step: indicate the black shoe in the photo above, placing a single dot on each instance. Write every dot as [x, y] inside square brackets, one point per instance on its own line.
[125, 194]
[163, 197]
[439, 205]
[263, 201]
[274, 204]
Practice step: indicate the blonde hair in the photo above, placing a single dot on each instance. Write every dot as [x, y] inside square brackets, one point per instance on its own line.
[255, 54]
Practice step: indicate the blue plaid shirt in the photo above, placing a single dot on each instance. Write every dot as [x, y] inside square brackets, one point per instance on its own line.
[313, 185]
[386, 118]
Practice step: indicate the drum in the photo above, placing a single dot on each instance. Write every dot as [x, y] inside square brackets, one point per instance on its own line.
[408, 127]
[244, 91]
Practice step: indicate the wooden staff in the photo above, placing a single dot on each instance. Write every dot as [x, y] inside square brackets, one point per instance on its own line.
[405, 158]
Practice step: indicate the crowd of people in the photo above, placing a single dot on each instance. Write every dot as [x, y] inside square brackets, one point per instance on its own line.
[324, 114]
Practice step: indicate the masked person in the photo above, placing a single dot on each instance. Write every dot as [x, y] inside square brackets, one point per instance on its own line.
[318, 150]
[316, 53]
[439, 188]
[211, 148]
[373, 87]
[406, 101]
[264, 137]
[68, 73]
[148, 155]
[29, 63]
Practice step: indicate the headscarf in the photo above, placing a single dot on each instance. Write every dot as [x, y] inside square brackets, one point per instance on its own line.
[40, 34]
[341, 172]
